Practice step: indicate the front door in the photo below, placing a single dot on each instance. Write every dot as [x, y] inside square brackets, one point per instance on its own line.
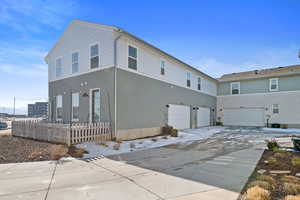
[95, 115]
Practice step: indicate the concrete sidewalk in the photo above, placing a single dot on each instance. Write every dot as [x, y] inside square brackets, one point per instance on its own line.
[99, 179]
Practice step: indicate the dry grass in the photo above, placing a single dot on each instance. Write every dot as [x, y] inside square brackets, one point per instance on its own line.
[36, 155]
[58, 152]
[272, 161]
[257, 193]
[262, 184]
[291, 179]
[296, 161]
[280, 155]
[267, 178]
[117, 146]
[291, 188]
[290, 197]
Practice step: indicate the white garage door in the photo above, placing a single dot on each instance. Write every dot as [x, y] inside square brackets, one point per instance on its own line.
[179, 116]
[203, 117]
[243, 117]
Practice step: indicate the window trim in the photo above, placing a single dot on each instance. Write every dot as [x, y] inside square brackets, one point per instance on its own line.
[75, 119]
[90, 102]
[137, 56]
[56, 116]
[76, 51]
[61, 67]
[199, 83]
[270, 84]
[239, 84]
[90, 56]
[273, 108]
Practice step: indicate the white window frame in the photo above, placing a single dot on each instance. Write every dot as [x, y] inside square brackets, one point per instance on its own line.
[90, 101]
[239, 87]
[74, 63]
[162, 67]
[199, 83]
[270, 84]
[273, 105]
[61, 67]
[75, 119]
[90, 56]
[137, 56]
[56, 107]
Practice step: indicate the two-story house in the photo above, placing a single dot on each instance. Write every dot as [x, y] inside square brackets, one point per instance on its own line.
[103, 73]
[260, 97]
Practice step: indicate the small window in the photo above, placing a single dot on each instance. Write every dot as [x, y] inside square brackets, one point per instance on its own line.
[59, 107]
[199, 83]
[58, 67]
[275, 109]
[94, 60]
[188, 79]
[162, 67]
[132, 57]
[75, 106]
[235, 88]
[274, 84]
[75, 62]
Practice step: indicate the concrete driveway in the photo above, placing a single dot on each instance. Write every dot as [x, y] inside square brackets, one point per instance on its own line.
[215, 168]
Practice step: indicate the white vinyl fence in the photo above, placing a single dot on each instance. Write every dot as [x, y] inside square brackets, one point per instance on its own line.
[62, 133]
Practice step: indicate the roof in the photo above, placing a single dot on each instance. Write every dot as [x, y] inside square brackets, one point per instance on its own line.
[263, 73]
[118, 29]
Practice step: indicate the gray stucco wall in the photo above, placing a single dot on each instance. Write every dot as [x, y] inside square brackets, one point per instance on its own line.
[141, 101]
[288, 83]
[84, 83]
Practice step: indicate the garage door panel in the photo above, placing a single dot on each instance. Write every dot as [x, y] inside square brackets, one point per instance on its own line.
[179, 116]
[203, 117]
[243, 117]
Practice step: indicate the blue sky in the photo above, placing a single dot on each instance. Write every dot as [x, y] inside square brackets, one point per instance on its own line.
[217, 37]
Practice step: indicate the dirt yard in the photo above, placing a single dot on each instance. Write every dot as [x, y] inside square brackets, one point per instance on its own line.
[16, 149]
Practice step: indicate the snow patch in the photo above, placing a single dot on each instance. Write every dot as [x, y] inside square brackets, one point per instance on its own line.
[289, 130]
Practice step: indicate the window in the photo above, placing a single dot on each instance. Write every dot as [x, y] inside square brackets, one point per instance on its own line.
[75, 63]
[273, 84]
[275, 108]
[132, 57]
[58, 67]
[162, 67]
[59, 107]
[188, 79]
[199, 83]
[94, 56]
[235, 88]
[95, 117]
[75, 106]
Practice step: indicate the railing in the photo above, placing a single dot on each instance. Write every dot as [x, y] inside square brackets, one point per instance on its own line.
[62, 133]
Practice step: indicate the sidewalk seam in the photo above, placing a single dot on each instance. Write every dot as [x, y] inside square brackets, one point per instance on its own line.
[52, 177]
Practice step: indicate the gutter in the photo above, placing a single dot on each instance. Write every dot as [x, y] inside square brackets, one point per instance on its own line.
[115, 81]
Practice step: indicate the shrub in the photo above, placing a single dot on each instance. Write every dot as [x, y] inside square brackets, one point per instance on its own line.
[174, 133]
[267, 178]
[291, 188]
[290, 197]
[296, 161]
[257, 193]
[291, 179]
[167, 130]
[116, 146]
[272, 145]
[262, 184]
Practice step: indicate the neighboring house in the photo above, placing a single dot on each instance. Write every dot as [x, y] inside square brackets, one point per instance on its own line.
[103, 73]
[39, 109]
[258, 97]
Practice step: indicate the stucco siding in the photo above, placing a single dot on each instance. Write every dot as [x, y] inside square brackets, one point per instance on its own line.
[83, 84]
[288, 102]
[141, 101]
[288, 83]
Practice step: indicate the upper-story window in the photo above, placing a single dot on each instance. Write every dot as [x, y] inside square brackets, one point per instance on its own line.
[75, 106]
[59, 107]
[162, 67]
[75, 62]
[273, 84]
[199, 83]
[188, 79]
[94, 60]
[235, 88]
[132, 57]
[58, 67]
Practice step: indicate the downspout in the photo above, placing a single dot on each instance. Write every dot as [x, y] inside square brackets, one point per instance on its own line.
[115, 82]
